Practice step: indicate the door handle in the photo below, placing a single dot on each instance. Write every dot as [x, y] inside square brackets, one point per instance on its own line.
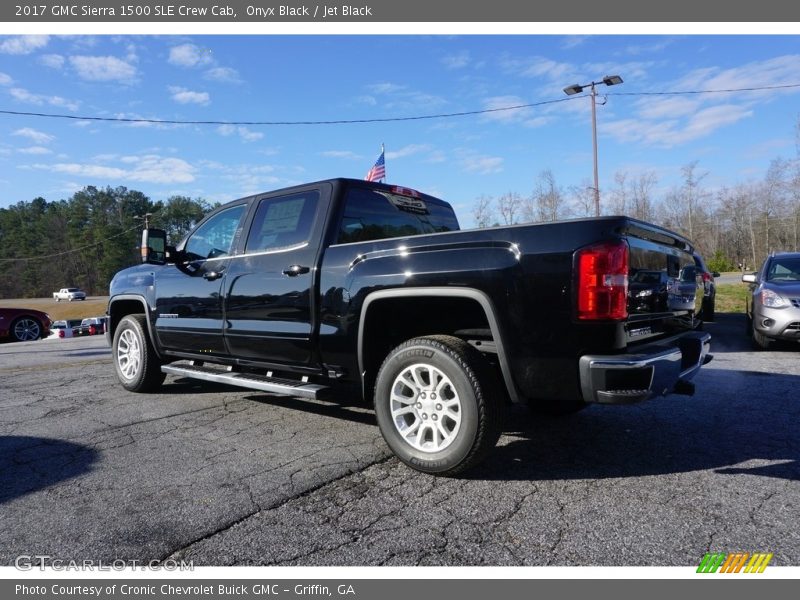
[295, 270]
[212, 275]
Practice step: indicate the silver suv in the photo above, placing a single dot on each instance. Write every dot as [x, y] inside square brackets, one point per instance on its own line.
[773, 307]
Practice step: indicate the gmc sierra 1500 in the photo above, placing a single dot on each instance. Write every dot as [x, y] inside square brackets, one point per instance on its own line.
[304, 290]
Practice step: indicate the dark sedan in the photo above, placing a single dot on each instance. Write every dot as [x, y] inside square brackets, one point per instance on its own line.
[24, 324]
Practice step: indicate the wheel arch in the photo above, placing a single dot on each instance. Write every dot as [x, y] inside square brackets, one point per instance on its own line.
[128, 304]
[374, 345]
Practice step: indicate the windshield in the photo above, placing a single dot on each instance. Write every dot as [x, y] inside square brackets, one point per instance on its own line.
[784, 269]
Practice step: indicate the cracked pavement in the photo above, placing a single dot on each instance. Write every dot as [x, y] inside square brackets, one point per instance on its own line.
[225, 476]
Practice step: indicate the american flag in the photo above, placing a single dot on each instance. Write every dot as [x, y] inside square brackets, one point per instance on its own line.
[378, 171]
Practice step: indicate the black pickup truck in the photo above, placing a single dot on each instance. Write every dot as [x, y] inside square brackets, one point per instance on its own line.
[372, 289]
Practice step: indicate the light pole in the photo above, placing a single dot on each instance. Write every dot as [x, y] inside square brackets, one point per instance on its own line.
[577, 89]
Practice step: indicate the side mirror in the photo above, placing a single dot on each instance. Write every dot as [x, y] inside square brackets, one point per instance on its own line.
[750, 278]
[154, 246]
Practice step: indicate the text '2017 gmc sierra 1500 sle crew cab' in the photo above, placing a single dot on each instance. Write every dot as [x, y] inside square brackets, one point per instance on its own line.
[308, 289]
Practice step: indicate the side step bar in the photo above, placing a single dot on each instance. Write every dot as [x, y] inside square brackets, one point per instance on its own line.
[274, 385]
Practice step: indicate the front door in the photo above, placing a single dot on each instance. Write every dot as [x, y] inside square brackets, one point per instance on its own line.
[269, 297]
[188, 294]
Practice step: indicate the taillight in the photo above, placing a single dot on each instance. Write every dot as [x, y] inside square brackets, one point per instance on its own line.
[707, 277]
[602, 281]
[61, 333]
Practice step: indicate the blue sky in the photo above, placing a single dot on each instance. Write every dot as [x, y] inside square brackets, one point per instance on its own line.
[315, 77]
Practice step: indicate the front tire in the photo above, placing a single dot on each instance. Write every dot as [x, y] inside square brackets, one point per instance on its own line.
[26, 329]
[437, 404]
[137, 365]
[761, 341]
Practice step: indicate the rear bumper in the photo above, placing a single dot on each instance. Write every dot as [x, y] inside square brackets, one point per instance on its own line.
[666, 367]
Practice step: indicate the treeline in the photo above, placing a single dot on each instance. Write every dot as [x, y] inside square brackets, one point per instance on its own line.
[84, 240]
[734, 227]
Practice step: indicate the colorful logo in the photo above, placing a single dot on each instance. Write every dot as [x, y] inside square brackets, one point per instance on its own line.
[736, 562]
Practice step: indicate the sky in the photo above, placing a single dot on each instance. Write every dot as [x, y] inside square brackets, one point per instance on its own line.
[733, 135]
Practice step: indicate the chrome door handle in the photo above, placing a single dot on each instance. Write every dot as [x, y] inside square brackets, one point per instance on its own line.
[295, 270]
[212, 275]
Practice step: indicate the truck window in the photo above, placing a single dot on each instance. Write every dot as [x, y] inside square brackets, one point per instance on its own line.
[282, 222]
[372, 214]
[214, 237]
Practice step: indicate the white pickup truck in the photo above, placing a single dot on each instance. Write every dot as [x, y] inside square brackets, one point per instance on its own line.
[69, 294]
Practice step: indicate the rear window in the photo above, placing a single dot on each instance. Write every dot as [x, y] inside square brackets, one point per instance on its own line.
[372, 214]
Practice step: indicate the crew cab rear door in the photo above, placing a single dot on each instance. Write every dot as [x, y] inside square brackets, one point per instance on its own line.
[269, 295]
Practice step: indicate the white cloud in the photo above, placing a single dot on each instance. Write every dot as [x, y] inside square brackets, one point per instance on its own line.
[35, 150]
[674, 120]
[456, 61]
[5, 79]
[539, 67]
[668, 107]
[148, 168]
[243, 132]
[184, 96]
[396, 97]
[223, 75]
[38, 137]
[103, 68]
[385, 88]
[637, 49]
[573, 41]
[483, 165]
[189, 55]
[24, 95]
[23, 44]
[344, 154]
[526, 115]
[54, 61]
[408, 150]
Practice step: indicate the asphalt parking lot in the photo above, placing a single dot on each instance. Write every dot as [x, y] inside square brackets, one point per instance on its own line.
[223, 476]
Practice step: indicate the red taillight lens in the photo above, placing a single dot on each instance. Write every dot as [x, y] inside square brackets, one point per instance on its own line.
[61, 333]
[603, 281]
[92, 330]
[707, 277]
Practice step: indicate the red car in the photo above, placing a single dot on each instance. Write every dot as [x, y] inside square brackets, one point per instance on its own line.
[24, 324]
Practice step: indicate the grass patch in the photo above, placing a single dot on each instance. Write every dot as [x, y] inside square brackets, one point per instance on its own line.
[94, 306]
[731, 297]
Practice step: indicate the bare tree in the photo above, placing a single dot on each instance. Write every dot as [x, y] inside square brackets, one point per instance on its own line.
[641, 195]
[582, 197]
[618, 199]
[691, 194]
[547, 202]
[482, 211]
[509, 205]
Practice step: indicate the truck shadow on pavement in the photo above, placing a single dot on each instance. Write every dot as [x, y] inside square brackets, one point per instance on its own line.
[737, 423]
[29, 464]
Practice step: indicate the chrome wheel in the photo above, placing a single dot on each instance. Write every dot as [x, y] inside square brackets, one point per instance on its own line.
[425, 408]
[129, 354]
[27, 329]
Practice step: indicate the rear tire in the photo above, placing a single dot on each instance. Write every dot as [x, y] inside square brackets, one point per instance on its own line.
[137, 365]
[437, 404]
